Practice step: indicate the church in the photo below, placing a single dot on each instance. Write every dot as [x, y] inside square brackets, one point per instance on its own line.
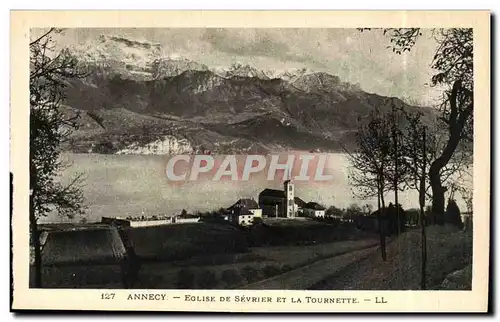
[281, 203]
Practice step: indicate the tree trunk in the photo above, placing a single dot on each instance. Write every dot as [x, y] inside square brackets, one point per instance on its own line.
[456, 122]
[380, 223]
[396, 179]
[423, 249]
[422, 219]
[437, 192]
[396, 200]
[35, 236]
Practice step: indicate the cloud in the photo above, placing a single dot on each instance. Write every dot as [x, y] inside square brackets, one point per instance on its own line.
[245, 42]
[353, 56]
[255, 42]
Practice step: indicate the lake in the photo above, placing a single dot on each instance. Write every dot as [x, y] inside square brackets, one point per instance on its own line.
[121, 185]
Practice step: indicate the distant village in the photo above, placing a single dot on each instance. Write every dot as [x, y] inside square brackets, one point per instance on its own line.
[271, 203]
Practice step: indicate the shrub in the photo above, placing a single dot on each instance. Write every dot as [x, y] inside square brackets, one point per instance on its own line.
[257, 220]
[250, 273]
[231, 277]
[207, 279]
[413, 217]
[430, 217]
[270, 271]
[452, 214]
[396, 218]
[353, 211]
[185, 278]
[333, 211]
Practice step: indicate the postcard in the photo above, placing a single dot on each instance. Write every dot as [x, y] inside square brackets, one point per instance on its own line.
[250, 161]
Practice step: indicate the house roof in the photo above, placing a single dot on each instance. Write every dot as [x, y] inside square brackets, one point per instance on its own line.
[83, 246]
[301, 203]
[314, 205]
[245, 203]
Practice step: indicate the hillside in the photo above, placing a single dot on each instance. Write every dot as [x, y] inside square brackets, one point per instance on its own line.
[448, 251]
[137, 101]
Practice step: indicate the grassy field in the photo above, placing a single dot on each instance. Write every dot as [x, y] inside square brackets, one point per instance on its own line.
[283, 232]
[258, 264]
[448, 250]
[222, 256]
[209, 255]
[176, 242]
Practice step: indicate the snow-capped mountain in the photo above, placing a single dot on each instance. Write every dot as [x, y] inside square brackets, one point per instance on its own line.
[137, 100]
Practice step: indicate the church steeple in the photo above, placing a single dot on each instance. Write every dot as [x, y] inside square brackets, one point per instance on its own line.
[289, 190]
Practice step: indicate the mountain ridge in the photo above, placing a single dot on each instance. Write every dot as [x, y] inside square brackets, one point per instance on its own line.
[135, 100]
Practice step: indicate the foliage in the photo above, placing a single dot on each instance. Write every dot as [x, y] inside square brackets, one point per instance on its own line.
[257, 220]
[333, 211]
[49, 127]
[467, 196]
[396, 218]
[367, 209]
[412, 217]
[353, 210]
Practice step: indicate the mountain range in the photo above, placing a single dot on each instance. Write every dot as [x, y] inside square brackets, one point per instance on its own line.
[135, 101]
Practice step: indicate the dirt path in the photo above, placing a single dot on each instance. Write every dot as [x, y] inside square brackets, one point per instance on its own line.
[304, 277]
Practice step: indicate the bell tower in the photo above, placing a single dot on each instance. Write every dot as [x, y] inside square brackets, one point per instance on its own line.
[289, 191]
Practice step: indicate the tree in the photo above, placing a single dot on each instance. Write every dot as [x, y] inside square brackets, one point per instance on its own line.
[49, 127]
[398, 170]
[453, 62]
[370, 164]
[452, 214]
[415, 147]
[367, 209]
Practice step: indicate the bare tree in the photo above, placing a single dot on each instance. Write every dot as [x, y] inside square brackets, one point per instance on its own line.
[417, 157]
[49, 127]
[370, 164]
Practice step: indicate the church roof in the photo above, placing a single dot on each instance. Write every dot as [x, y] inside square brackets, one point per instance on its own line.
[272, 193]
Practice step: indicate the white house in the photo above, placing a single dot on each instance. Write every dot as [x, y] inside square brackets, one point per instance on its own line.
[314, 210]
[244, 211]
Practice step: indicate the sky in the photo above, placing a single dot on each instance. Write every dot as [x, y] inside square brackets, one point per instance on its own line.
[356, 57]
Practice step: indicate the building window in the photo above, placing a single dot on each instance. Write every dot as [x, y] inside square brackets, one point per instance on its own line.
[290, 188]
[290, 202]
